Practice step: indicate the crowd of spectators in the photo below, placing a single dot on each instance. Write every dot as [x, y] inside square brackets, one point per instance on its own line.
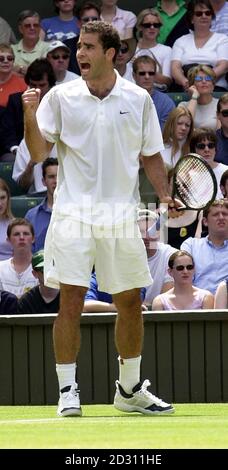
[171, 47]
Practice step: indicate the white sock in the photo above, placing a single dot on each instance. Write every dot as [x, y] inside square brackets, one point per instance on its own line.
[129, 370]
[66, 374]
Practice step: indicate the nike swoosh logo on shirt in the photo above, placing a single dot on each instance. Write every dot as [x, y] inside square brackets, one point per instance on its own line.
[124, 112]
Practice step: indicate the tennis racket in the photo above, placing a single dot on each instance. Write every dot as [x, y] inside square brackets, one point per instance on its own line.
[194, 182]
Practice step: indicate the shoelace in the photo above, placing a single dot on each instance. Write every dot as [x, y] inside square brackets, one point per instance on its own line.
[73, 392]
[144, 390]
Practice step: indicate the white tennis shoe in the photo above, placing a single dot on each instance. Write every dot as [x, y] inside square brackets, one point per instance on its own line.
[140, 400]
[69, 402]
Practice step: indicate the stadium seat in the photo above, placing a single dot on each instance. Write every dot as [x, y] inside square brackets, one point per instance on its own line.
[177, 97]
[6, 169]
[21, 204]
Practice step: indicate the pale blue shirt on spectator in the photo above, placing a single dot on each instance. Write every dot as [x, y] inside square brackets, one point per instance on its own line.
[220, 22]
[211, 262]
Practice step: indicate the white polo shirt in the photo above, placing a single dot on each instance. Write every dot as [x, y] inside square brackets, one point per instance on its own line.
[98, 145]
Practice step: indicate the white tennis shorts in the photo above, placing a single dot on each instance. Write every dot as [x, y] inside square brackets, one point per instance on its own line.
[73, 248]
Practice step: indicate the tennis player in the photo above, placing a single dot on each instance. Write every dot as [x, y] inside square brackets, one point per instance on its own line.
[100, 124]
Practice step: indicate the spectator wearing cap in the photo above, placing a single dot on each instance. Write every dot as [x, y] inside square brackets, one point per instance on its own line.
[62, 26]
[158, 254]
[87, 11]
[39, 299]
[59, 57]
[30, 47]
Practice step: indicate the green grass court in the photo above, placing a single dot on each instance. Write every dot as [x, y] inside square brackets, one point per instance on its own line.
[193, 426]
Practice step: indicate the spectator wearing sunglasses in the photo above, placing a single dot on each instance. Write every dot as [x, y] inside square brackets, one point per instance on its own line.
[125, 54]
[30, 47]
[144, 73]
[183, 296]
[59, 58]
[123, 20]
[202, 105]
[62, 26]
[210, 253]
[204, 142]
[222, 133]
[10, 81]
[200, 46]
[87, 11]
[148, 27]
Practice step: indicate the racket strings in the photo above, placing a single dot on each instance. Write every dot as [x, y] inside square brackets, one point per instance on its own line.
[194, 183]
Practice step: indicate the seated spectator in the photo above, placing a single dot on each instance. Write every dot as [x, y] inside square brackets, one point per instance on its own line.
[144, 74]
[123, 20]
[224, 184]
[39, 75]
[220, 21]
[6, 217]
[148, 26]
[126, 52]
[26, 173]
[221, 295]
[188, 224]
[86, 11]
[98, 301]
[222, 133]
[158, 254]
[177, 134]
[39, 299]
[63, 26]
[59, 58]
[16, 272]
[202, 104]
[7, 35]
[39, 216]
[211, 252]
[200, 46]
[9, 80]
[174, 25]
[183, 295]
[8, 302]
[30, 47]
[203, 142]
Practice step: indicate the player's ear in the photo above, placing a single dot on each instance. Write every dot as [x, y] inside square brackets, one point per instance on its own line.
[110, 53]
[204, 221]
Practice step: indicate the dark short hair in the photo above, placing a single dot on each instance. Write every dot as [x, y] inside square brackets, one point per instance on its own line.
[191, 8]
[50, 161]
[178, 254]
[108, 35]
[201, 134]
[19, 221]
[37, 69]
[87, 6]
[224, 178]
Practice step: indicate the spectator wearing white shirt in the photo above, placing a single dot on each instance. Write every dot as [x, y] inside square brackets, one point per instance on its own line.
[211, 252]
[59, 57]
[16, 272]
